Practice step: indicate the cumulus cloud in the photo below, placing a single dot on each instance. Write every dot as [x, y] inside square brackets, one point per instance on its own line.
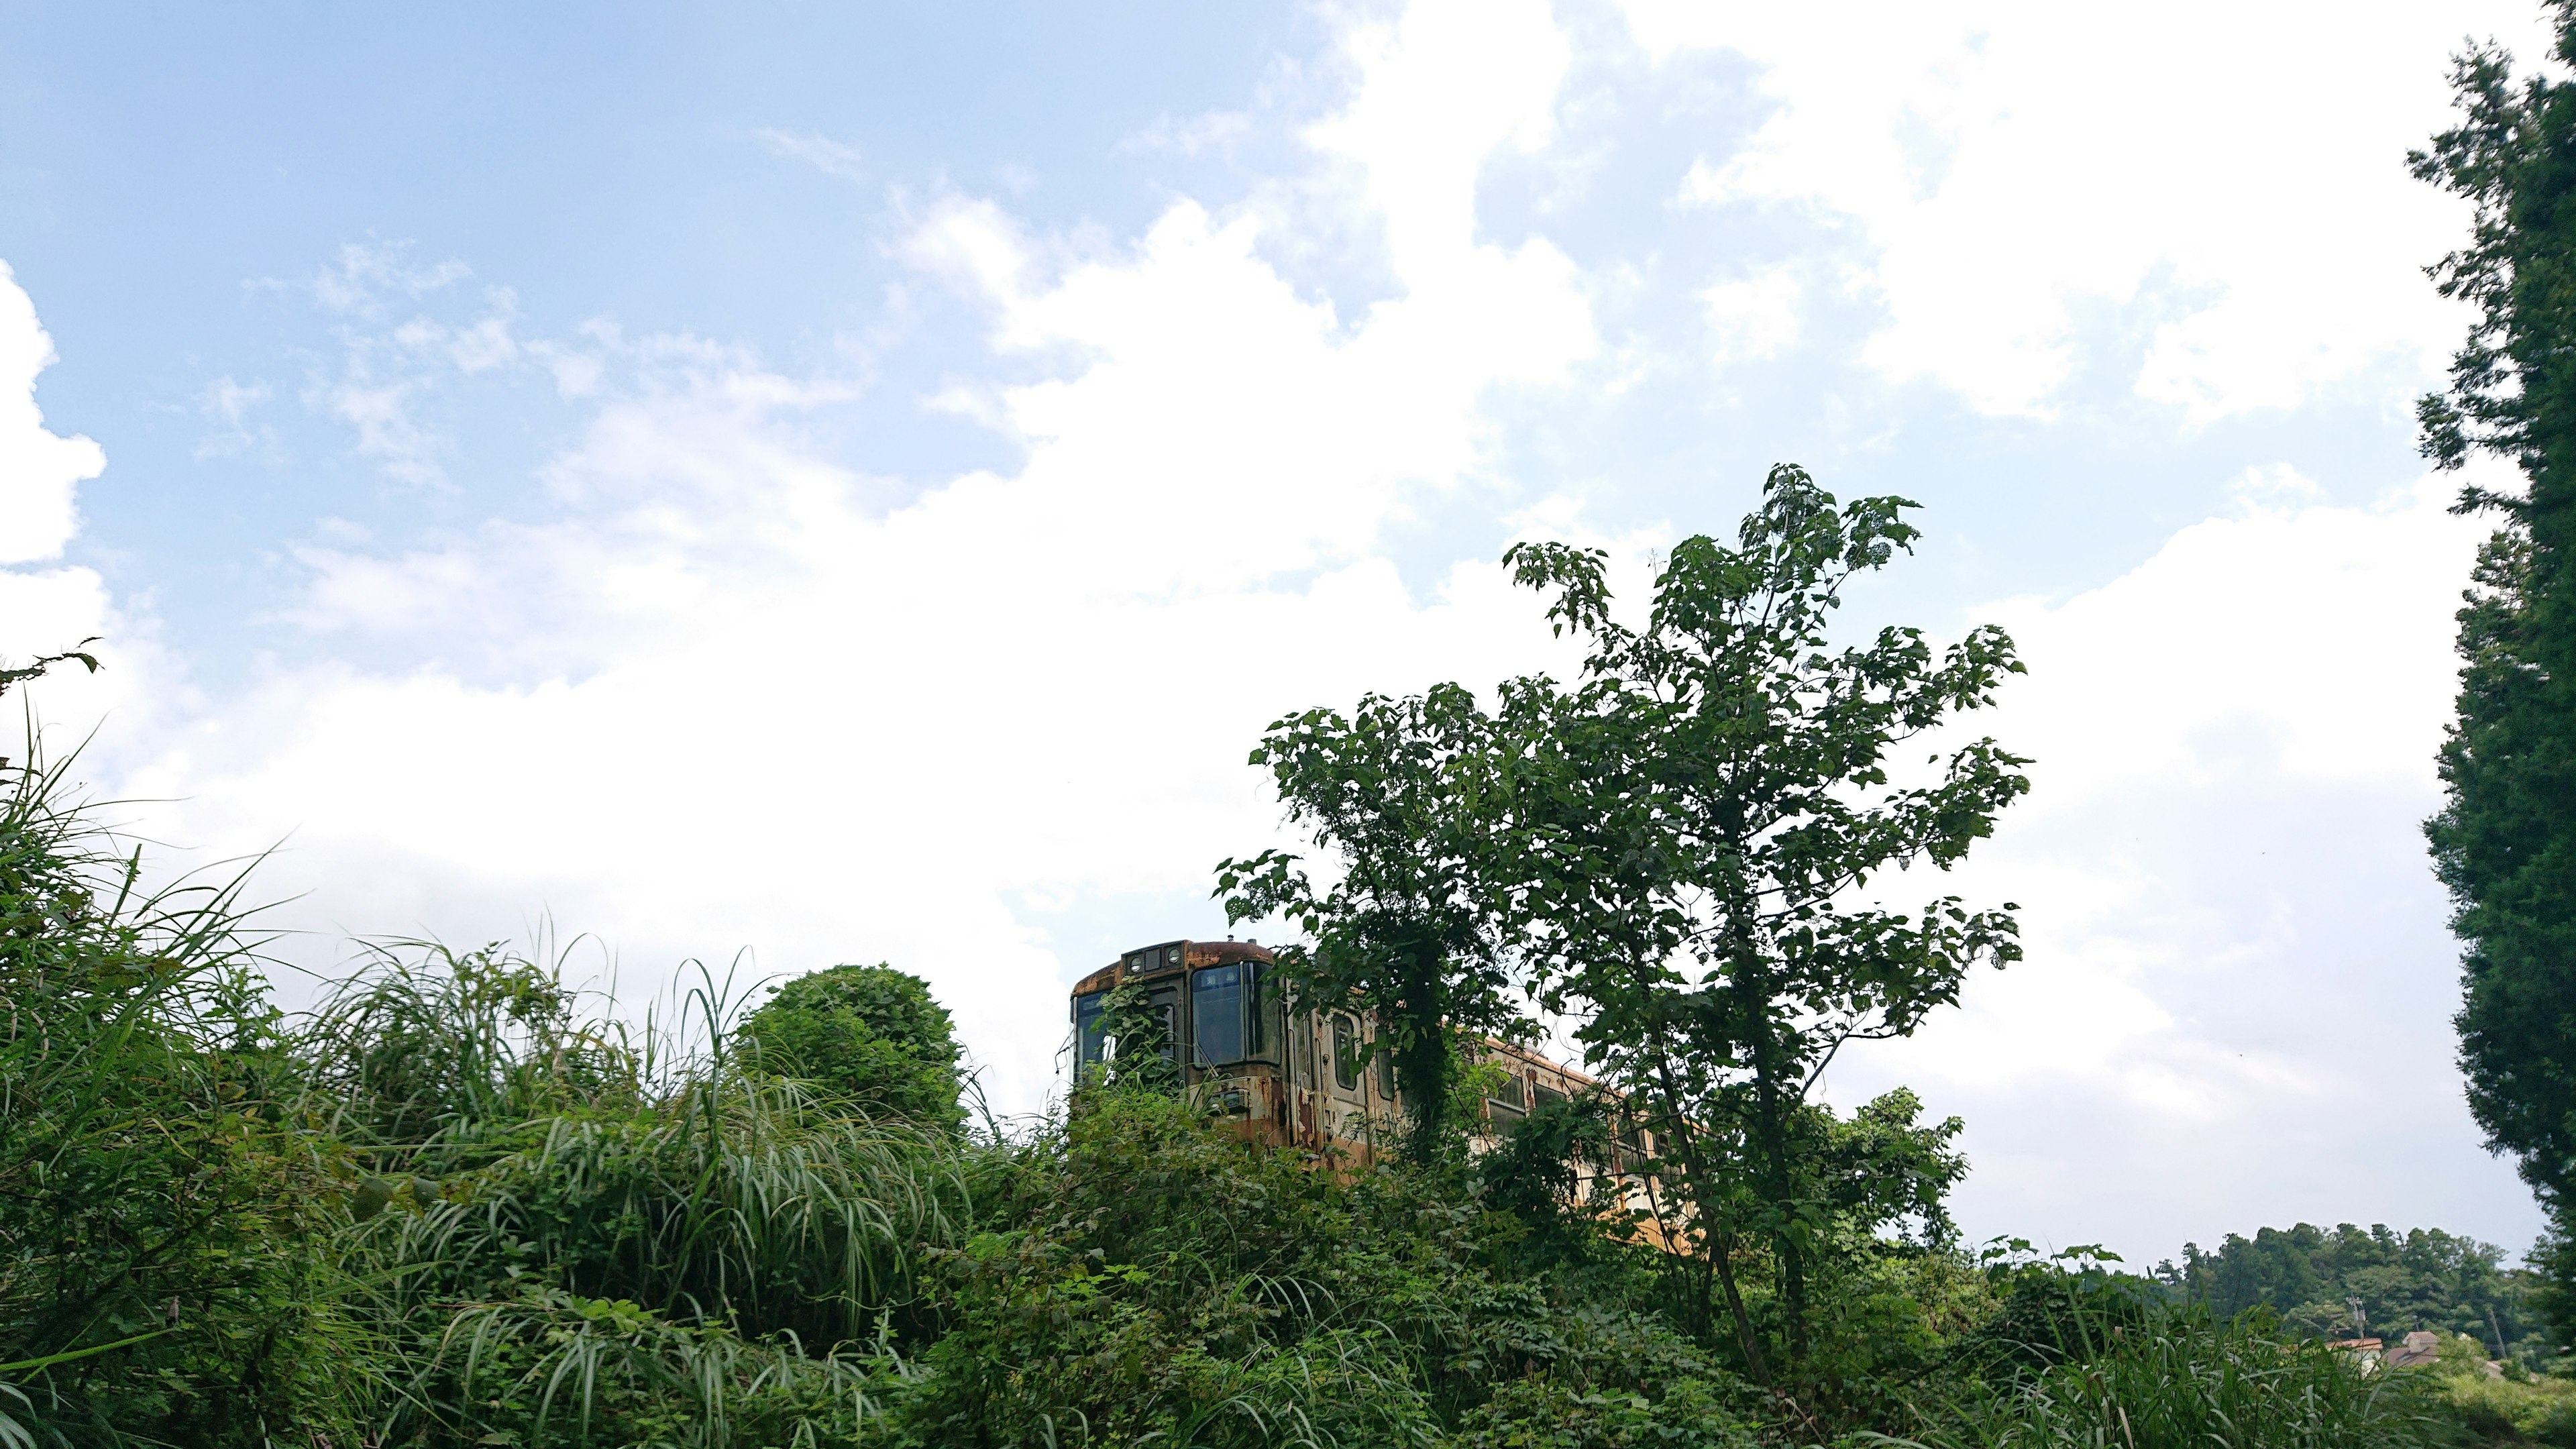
[2132, 680]
[740, 700]
[40, 471]
[47, 610]
[2231, 185]
[2239, 982]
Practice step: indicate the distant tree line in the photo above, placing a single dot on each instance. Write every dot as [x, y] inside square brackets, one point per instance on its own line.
[2316, 1279]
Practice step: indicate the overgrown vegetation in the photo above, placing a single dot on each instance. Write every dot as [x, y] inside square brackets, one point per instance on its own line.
[460, 1203]
[453, 1207]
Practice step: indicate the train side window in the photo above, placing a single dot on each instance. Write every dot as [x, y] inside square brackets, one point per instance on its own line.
[1165, 1001]
[1086, 1028]
[1346, 1054]
[1266, 1017]
[1385, 1071]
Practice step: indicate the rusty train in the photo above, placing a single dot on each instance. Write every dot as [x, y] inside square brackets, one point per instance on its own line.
[1306, 1079]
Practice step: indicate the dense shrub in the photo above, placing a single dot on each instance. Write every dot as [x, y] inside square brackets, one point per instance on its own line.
[870, 1033]
[1160, 1279]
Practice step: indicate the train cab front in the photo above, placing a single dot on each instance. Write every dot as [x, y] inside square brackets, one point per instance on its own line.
[1210, 1008]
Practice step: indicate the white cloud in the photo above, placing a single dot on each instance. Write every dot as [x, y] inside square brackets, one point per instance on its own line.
[479, 346]
[47, 610]
[2319, 634]
[832, 158]
[1216, 131]
[40, 471]
[2237, 174]
[358, 279]
[1441, 90]
[2236, 1001]
[228, 404]
[381, 412]
[385, 377]
[756, 707]
[1756, 317]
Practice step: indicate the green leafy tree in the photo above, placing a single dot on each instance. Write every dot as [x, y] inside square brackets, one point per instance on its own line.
[1413, 925]
[1700, 823]
[870, 1033]
[2505, 840]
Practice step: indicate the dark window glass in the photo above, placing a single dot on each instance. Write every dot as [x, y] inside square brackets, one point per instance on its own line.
[1262, 1039]
[1086, 1027]
[1509, 1093]
[1385, 1072]
[1216, 1005]
[1547, 1094]
[1346, 1054]
[1505, 1118]
[1167, 1001]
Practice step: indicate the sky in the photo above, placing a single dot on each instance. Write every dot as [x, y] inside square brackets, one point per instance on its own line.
[774, 485]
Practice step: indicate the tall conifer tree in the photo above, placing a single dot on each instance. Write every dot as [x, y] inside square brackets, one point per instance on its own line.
[2505, 840]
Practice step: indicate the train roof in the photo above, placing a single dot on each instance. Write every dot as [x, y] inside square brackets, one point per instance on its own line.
[1154, 961]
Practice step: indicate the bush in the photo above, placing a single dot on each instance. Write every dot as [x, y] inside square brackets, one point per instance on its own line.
[871, 1034]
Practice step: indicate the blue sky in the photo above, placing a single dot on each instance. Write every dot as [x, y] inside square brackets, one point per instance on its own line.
[844, 483]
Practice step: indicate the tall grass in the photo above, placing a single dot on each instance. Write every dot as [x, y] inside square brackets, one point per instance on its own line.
[2177, 1379]
[156, 1196]
[572, 1223]
[422, 1052]
[732, 1200]
[554, 1368]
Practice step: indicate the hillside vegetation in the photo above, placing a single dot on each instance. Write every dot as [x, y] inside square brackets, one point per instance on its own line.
[457, 1205]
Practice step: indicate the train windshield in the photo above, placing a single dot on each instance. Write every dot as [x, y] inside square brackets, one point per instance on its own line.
[1217, 1008]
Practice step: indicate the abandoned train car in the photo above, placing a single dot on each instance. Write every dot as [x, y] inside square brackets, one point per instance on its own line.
[1305, 1079]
